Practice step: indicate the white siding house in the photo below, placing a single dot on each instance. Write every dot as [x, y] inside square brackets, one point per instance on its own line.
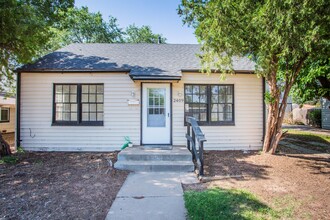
[137, 90]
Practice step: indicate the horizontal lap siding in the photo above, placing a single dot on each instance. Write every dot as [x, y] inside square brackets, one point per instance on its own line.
[248, 129]
[120, 119]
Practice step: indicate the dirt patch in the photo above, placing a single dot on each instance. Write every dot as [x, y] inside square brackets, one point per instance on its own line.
[59, 186]
[297, 183]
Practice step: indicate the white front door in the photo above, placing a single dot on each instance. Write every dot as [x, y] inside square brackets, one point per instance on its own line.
[156, 115]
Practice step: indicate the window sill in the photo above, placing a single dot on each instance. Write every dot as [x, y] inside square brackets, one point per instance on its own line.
[93, 123]
[4, 121]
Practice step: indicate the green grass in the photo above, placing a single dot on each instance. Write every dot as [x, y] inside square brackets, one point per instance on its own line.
[8, 160]
[12, 159]
[307, 136]
[235, 204]
[319, 142]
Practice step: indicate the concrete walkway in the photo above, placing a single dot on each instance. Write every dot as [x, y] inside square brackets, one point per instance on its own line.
[151, 195]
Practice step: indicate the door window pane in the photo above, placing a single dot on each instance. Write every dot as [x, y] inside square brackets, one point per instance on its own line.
[156, 112]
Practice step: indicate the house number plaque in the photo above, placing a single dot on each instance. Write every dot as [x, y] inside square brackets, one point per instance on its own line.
[178, 100]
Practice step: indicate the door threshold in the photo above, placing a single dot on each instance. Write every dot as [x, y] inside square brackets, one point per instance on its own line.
[158, 147]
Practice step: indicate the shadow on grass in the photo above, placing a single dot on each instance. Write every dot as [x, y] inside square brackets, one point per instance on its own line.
[316, 142]
[226, 204]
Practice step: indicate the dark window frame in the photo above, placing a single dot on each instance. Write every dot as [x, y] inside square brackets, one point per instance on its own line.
[79, 121]
[208, 121]
[6, 121]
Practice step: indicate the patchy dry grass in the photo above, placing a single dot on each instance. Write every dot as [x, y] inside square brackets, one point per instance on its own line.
[308, 140]
[291, 186]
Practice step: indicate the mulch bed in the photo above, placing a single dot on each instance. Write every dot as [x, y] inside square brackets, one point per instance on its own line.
[59, 186]
[301, 181]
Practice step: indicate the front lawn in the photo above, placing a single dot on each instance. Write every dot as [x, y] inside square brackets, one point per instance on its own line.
[253, 185]
[308, 140]
[217, 203]
[56, 185]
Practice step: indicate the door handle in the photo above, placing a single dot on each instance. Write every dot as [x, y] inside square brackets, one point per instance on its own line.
[168, 114]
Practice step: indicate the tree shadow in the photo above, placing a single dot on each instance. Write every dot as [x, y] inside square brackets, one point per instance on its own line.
[70, 61]
[220, 203]
[309, 141]
[233, 163]
[317, 164]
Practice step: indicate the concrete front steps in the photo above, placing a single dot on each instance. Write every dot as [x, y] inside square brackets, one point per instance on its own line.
[147, 159]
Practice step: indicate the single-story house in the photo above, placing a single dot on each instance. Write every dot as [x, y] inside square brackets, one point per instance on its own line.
[88, 97]
[7, 114]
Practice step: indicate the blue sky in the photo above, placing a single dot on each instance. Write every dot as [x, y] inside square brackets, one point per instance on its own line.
[161, 15]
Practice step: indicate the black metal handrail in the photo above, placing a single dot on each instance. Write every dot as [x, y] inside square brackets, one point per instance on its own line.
[195, 143]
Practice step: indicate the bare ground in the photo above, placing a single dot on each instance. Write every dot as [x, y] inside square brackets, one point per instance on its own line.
[298, 184]
[59, 186]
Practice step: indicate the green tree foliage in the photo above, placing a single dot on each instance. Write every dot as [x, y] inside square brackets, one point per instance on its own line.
[313, 82]
[278, 35]
[81, 26]
[25, 30]
[143, 34]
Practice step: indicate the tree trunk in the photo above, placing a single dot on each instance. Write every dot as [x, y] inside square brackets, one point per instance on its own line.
[276, 110]
[276, 113]
[4, 147]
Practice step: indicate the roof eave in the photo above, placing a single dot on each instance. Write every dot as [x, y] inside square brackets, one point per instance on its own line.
[216, 71]
[154, 77]
[73, 70]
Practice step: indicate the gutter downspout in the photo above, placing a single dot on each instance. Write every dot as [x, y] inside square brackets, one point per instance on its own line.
[18, 110]
[263, 109]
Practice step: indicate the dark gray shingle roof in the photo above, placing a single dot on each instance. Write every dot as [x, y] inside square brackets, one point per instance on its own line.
[140, 59]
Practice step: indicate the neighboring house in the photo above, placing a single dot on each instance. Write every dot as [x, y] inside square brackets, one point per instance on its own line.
[7, 114]
[325, 113]
[88, 97]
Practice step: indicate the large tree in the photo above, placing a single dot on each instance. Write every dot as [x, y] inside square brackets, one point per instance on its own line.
[313, 82]
[25, 30]
[78, 25]
[278, 35]
[143, 34]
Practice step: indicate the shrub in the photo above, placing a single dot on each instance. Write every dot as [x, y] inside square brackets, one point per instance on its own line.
[314, 117]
